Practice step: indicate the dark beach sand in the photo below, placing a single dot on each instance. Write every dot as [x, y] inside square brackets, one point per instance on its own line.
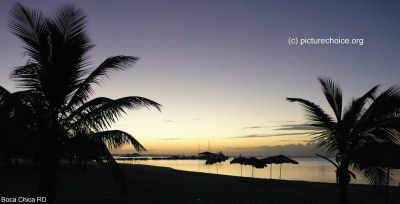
[149, 184]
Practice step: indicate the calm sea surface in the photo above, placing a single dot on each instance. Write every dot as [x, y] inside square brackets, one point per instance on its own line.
[309, 169]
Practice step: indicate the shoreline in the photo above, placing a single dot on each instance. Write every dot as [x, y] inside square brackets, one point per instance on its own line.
[302, 172]
[154, 184]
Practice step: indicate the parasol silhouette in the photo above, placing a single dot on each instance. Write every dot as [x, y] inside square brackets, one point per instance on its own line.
[280, 159]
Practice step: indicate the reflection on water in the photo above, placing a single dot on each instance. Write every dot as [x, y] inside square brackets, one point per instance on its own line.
[309, 169]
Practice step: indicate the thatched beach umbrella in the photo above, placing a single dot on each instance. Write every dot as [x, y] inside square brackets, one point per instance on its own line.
[280, 159]
[214, 160]
[254, 162]
[379, 155]
[239, 160]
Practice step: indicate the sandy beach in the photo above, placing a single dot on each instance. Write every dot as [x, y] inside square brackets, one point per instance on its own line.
[150, 184]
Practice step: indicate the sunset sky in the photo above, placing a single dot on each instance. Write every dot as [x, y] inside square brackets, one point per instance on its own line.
[222, 69]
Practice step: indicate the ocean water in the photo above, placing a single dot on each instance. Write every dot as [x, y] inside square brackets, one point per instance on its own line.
[313, 169]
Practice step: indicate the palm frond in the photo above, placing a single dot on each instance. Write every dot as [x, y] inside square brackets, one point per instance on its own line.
[391, 133]
[353, 111]
[17, 109]
[5, 100]
[31, 27]
[85, 109]
[3, 92]
[136, 103]
[319, 118]
[386, 104]
[334, 164]
[115, 139]
[374, 175]
[111, 64]
[70, 45]
[382, 117]
[69, 56]
[70, 21]
[333, 94]
[351, 125]
[28, 76]
[107, 114]
[116, 171]
[328, 142]
[315, 114]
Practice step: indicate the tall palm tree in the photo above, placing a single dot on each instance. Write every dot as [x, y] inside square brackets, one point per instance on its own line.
[59, 75]
[351, 128]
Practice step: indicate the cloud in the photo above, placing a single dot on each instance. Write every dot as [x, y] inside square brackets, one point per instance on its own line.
[291, 141]
[170, 121]
[199, 119]
[298, 127]
[308, 149]
[269, 135]
[242, 148]
[250, 136]
[254, 127]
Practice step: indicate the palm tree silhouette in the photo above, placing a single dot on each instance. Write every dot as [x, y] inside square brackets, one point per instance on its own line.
[16, 126]
[354, 127]
[57, 73]
[7, 123]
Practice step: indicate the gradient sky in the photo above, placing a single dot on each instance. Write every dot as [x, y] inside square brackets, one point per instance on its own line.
[222, 69]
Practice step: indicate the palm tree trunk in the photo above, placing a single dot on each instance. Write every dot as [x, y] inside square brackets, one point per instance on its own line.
[48, 177]
[48, 180]
[343, 182]
[270, 172]
[280, 174]
[49, 165]
[387, 185]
